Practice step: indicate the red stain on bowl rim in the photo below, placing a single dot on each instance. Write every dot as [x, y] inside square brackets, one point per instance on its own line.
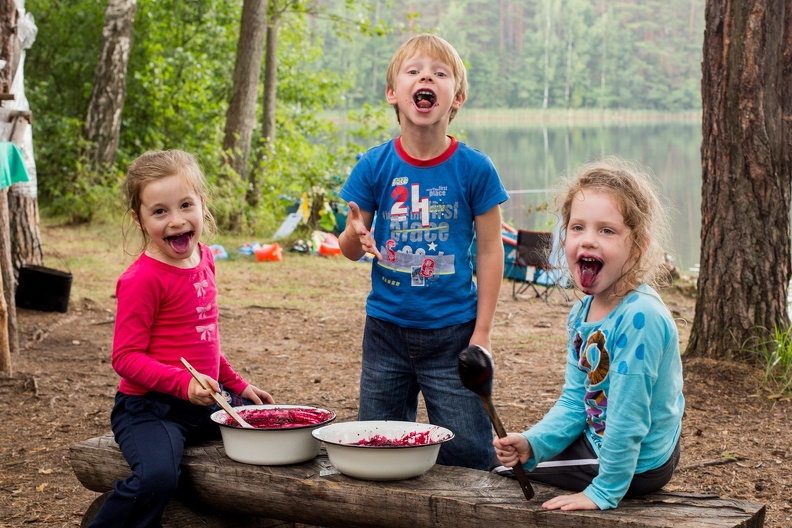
[415, 438]
[281, 418]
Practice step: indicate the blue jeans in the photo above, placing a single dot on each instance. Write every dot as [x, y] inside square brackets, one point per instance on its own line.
[152, 431]
[398, 363]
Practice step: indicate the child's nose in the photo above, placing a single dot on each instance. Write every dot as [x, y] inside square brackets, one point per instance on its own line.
[176, 219]
[589, 239]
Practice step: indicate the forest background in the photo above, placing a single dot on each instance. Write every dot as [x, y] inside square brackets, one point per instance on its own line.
[540, 59]
[536, 57]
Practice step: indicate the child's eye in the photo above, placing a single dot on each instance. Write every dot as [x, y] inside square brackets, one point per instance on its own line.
[441, 74]
[159, 211]
[412, 72]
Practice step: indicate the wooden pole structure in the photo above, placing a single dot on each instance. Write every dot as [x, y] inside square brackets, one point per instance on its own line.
[5, 264]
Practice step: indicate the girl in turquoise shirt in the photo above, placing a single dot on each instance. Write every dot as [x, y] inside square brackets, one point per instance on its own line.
[615, 429]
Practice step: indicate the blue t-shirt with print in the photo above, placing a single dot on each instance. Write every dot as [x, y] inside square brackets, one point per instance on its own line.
[424, 214]
[622, 389]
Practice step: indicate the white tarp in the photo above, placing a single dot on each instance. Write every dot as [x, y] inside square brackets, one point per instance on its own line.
[26, 31]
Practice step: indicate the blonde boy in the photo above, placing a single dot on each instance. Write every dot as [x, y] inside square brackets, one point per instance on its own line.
[430, 196]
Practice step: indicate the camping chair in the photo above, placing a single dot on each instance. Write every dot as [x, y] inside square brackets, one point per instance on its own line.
[533, 252]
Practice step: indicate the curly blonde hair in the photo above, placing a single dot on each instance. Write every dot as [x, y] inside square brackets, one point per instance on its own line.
[636, 196]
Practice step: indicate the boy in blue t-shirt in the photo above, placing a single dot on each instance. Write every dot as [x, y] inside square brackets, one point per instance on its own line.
[431, 195]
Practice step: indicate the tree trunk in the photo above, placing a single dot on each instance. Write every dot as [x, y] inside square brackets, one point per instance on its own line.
[269, 100]
[9, 44]
[746, 177]
[18, 34]
[241, 115]
[20, 239]
[25, 231]
[103, 121]
[7, 324]
[9, 52]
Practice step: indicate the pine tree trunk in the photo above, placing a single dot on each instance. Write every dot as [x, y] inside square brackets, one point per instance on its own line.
[103, 121]
[746, 177]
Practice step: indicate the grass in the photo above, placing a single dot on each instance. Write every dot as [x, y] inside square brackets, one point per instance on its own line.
[97, 253]
[776, 356]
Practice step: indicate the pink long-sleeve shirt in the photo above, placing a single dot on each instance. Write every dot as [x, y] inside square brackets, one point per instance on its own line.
[166, 313]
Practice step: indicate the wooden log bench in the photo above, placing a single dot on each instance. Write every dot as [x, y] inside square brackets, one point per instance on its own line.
[314, 493]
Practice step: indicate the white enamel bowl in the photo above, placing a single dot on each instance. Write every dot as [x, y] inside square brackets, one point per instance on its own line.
[377, 462]
[270, 446]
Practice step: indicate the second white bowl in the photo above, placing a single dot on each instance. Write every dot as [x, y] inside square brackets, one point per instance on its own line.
[356, 448]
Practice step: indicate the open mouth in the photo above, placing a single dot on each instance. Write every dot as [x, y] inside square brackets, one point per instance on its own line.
[589, 269]
[180, 243]
[425, 99]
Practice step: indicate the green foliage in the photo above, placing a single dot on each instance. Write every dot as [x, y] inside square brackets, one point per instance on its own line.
[309, 155]
[59, 70]
[82, 193]
[333, 56]
[615, 55]
[775, 355]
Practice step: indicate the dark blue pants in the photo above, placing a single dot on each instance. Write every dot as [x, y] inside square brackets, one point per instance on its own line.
[152, 431]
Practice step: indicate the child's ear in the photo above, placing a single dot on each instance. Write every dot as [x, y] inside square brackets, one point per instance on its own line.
[390, 96]
[136, 219]
[459, 100]
[641, 247]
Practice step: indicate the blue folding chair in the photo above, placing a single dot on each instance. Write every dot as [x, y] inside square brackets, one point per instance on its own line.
[533, 258]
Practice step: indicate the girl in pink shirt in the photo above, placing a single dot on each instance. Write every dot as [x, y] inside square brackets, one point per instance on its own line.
[167, 309]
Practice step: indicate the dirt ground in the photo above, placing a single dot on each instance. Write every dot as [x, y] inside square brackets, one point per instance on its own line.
[302, 343]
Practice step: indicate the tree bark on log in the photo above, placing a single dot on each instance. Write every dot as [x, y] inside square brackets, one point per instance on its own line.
[180, 514]
[315, 493]
[746, 178]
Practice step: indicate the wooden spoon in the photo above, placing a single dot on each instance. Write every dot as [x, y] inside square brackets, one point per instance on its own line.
[217, 396]
[476, 372]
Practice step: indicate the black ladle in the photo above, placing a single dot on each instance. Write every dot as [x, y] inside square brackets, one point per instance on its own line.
[476, 372]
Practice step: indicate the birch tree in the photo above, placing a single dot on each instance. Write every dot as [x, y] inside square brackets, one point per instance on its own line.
[103, 121]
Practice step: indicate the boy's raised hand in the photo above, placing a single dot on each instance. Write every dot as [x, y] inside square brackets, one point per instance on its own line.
[356, 228]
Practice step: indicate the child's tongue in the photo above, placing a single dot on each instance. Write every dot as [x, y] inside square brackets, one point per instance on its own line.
[180, 243]
[588, 272]
[424, 104]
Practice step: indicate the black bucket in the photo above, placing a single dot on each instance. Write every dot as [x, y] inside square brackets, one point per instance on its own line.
[43, 289]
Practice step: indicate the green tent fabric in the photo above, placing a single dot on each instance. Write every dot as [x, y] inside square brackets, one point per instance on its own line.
[12, 165]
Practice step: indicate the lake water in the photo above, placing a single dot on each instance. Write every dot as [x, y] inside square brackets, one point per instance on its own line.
[531, 158]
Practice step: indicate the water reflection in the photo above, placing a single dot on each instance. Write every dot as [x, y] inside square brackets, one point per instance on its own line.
[532, 159]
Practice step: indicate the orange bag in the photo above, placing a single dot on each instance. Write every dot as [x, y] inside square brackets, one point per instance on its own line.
[270, 252]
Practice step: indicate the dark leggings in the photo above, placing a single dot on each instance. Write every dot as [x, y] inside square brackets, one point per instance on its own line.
[152, 431]
[580, 466]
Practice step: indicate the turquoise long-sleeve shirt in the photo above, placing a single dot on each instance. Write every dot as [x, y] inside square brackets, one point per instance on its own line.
[622, 389]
